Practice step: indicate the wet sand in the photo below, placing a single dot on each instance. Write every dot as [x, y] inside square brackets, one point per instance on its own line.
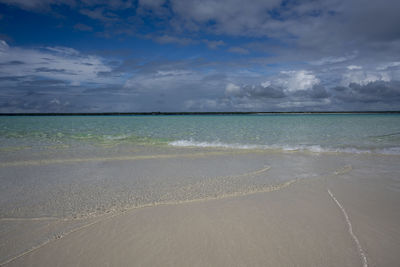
[262, 220]
[298, 226]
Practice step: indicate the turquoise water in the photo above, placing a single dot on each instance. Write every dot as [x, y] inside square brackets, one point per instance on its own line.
[350, 133]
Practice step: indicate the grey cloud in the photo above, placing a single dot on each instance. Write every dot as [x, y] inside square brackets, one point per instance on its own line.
[308, 25]
[168, 39]
[13, 62]
[37, 4]
[316, 92]
[101, 14]
[41, 83]
[12, 78]
[229, 16]
[258, 91]
[44, 69]
[378, 91]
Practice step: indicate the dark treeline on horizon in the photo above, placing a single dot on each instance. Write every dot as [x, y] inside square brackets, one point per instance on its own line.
[196, 113]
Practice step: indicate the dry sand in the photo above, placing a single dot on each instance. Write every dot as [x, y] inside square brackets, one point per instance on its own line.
[300, 225]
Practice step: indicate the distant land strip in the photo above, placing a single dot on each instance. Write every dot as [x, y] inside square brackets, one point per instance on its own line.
[196, 113]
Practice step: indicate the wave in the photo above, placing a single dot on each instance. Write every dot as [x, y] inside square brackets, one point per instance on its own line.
[288, 148]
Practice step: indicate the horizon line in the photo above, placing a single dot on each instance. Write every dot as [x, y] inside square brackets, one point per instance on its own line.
[193, 113]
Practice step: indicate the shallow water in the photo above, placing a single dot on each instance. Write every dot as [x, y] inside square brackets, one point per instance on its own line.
[78, 166]
[351, 133]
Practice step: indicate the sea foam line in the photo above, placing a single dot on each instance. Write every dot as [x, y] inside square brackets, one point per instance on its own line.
[350, 228]
[116, 158]
[286, 148]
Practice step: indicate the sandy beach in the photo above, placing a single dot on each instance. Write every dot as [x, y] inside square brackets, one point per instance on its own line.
[337, 215]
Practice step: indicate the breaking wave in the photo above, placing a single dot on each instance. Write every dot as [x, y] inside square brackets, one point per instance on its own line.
[288, 148]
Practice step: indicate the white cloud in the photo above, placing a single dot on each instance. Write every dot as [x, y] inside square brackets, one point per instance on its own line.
[162, 79]
[364, 77]
[172, 72]
[308, 103]
[266, 84]
[332, 60]
[232, 89]
[3, 46]
[388, 65]
[203, 104]
[168, 39]
[296, 80]
[354, 67]
[59, 63]
[239, 50]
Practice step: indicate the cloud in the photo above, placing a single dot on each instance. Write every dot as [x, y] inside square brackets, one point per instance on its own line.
[167, 39]
[100, 14]
[316, 92]
[388, 65]
[83, 27]
[372, 92]
[214, 44]
[60, 63]
[228, 16]
[354, 67]
[36, 4]
[333, 59]
[232, 89]
[295, 80]
[253, 91]
[363, 77]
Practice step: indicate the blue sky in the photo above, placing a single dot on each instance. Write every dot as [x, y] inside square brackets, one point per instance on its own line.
[226, 55]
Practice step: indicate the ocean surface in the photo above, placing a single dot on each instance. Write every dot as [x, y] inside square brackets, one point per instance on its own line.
[348, 133]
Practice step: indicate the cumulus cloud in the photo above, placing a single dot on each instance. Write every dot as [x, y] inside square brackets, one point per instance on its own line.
[232, 89]
[372, 92]
[362, 77]
[253, 91]
[295, 80]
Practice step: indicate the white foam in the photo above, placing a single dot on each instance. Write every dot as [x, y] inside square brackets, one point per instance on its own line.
[350, 228]
[190, 143]
[288, 148]
[116, 137]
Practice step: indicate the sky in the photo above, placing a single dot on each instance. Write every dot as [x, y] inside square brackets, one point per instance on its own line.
[192, 55]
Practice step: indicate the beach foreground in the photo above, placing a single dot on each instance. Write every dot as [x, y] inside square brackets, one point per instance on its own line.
[335, 210]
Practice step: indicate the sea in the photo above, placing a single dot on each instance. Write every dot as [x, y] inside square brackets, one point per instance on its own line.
[318, 133]
[80, 166]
